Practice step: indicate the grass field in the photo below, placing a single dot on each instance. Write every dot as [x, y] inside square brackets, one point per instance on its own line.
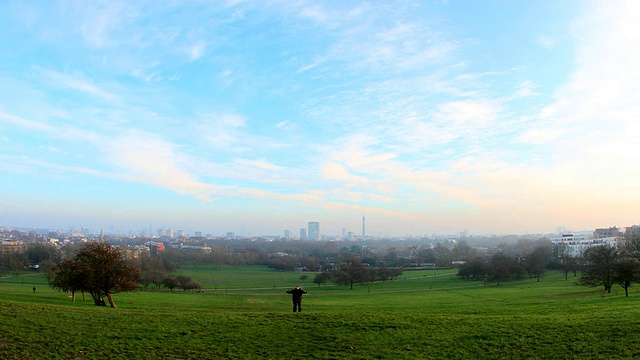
[243, 313]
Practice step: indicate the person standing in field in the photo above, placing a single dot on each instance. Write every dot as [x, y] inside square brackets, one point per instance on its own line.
[296, 296]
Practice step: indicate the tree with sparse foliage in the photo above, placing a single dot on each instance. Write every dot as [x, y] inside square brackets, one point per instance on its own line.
[351, 271]
[322, 278]
[474, 269]
[535, 262]
[170, 282]
[599, 266]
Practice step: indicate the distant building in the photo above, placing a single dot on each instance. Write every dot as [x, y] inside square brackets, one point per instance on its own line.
[156, 248]
[303, 234]
[287, 234]
[575, 246]
[314, 230]
[632, 230]
[608, 232]
[182, 234]
[231, 235]
[198, 234]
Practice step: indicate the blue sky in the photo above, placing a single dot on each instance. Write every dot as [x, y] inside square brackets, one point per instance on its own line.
[255, 117]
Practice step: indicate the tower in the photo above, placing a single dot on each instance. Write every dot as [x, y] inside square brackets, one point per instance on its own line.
[363, 233]
[314, 230]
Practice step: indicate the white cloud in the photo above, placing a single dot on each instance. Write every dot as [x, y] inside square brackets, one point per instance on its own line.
[77, 82]
[196, 51]
[156, 162]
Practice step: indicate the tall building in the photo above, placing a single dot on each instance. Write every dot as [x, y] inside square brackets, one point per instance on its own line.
[363, 233]
[182, 233]
[287, 234]
[314, 230]
[303, 234]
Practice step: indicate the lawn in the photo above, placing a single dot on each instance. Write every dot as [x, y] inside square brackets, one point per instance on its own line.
[246, 318]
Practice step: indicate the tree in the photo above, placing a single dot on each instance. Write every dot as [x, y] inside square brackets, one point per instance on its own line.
[170, 282]
[475, 269]
[351, 271]
[569, 264]
[535, 262]
[73, 276]
[48, 269]
[38, 252]
[627, 271]
[105, 271]
[304, 277]
[599, 266]
[322, 278]
[503, 267]
[16, 260]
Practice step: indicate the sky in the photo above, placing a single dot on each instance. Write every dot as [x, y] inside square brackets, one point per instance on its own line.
[426, 117]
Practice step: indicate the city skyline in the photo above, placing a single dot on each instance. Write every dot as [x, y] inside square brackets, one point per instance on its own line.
[434, 117]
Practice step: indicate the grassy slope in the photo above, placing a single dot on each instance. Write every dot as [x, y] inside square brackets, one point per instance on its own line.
[397, 319]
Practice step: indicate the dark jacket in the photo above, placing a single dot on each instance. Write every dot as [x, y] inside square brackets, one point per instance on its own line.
[297, 294]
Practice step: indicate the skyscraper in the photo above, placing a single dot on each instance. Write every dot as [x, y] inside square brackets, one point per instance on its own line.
[303, 234]
[314, 230]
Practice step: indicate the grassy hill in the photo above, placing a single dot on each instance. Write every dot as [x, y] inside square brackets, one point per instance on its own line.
[243, 313]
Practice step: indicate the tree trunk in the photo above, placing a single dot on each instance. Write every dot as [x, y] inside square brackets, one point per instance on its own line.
[113, 305]
[73, 295]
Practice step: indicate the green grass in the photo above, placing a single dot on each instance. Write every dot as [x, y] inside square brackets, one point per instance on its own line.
[401, 319]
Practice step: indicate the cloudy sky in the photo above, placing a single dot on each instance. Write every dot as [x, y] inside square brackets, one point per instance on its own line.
[259, 116]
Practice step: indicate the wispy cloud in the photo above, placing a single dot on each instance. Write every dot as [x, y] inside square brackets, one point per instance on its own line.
[77, 82]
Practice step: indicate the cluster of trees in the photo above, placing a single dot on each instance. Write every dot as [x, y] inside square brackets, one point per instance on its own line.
[352, 271]
[101, 270]
[33, 254]
[504, 267]
[608, 265]
[602, 265]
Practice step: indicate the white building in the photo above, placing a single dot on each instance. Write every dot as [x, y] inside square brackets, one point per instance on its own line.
[575, 246]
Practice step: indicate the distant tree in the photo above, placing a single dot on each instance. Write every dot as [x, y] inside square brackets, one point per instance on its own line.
[535, 262]
[170, 282]
[630, 245]
[48, 269]
[504, 267]
[475, 269]
[351, 271]
[569, 264]
[599, 267]
[462, 251]
[322, 278]
[16, 261]
[304, 277]
[37, 252]
[443, 255]
[283, 263]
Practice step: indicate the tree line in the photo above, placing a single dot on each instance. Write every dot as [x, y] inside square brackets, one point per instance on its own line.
[603, 264]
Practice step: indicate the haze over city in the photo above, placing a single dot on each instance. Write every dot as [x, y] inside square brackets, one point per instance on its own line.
[255, 117]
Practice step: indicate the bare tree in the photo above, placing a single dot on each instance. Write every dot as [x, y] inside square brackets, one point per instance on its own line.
[351, 271]
[599, 266]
